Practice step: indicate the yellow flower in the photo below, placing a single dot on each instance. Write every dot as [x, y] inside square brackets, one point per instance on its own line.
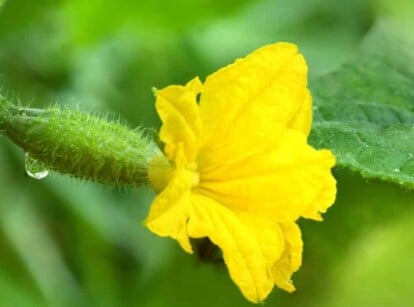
[238, 168]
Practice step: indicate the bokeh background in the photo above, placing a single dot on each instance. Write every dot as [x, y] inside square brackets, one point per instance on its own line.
[65, 242]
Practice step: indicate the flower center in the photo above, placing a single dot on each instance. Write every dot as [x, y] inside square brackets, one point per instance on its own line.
[161, 171]
[193, 173]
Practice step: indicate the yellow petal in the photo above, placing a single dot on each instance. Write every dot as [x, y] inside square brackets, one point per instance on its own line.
[177, 107]
[325, 198]
[169, 211]
[302, 120]
[291, 258]
[267, 87]
[250, 244]
[276, 175]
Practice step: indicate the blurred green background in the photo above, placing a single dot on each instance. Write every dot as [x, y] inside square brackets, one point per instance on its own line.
[69, 243]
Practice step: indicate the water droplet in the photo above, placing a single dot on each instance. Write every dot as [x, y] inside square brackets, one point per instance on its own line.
[397, 170]
[410, 156]
[34, 169]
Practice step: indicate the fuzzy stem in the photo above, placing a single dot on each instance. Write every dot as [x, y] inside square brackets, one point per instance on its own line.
[79, 144]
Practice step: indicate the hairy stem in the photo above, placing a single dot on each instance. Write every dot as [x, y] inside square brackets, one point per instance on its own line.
[79, 144]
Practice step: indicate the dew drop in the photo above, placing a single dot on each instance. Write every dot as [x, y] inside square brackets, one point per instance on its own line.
[397, 170]
[410, 156]
[34, 169]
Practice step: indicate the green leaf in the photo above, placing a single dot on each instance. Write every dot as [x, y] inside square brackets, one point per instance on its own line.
[364, 111]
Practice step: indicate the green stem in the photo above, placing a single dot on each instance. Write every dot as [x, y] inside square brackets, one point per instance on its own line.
[79, 144]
